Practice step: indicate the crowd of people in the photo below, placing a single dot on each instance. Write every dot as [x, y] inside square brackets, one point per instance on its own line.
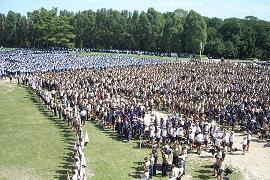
[27, 61]
[206, 101]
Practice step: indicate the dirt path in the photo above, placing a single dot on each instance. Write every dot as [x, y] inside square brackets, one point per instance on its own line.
[254, 165]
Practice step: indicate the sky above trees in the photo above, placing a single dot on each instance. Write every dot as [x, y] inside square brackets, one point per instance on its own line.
[211, 8]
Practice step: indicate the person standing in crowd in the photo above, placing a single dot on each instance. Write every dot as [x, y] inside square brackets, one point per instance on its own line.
[244, 144]
[165, 164]
[83, 114]
[176, 173]
[146, 166]
[231, 141]
[248, 140]
[199, 141]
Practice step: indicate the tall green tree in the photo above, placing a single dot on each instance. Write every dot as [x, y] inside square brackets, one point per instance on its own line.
[157, 22]
[178, 31]
[144, 30]
[173, 29]
[194, 32]
[2, 29]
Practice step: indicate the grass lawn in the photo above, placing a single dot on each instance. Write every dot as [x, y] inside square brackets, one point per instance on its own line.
[34, 145]
[130, 55]
[9, 49]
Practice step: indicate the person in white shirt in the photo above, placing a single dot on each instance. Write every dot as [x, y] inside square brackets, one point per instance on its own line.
[152, 166]
[74, 175]
[152, 133]
[245, 142]
[191, 138]
[217, 143]
[158, 135]
[225, 140]
[180, 133]
[83, 116]
[206, 127]
[199, 141]
[146, 167]
[164, 136]
[173, 135]
[231, 141]
[176, 173]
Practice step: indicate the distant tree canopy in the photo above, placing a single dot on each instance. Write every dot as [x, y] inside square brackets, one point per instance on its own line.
[179, 31]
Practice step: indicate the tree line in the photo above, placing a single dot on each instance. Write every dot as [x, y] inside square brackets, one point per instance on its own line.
[178, 31]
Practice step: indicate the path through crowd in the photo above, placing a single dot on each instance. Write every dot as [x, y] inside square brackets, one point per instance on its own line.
[255, 163]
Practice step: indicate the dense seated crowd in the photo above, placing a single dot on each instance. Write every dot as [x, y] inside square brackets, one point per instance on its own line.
[204, 101]
[26, 61]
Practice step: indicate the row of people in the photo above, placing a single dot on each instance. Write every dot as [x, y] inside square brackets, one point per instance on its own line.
[75, 121]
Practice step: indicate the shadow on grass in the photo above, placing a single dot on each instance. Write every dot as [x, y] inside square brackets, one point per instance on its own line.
[205, 172]
[108, 133]
[113, 135]
[65, 132]
[137, 170]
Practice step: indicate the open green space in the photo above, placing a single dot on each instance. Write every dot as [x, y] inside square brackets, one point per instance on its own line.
[8, 49]
[129, 55]
[34, 145]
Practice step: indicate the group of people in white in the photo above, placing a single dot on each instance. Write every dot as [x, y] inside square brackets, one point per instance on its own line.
[176, 137]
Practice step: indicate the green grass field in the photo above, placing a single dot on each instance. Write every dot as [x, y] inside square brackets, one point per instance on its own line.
[36, 145]
[130, 55]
